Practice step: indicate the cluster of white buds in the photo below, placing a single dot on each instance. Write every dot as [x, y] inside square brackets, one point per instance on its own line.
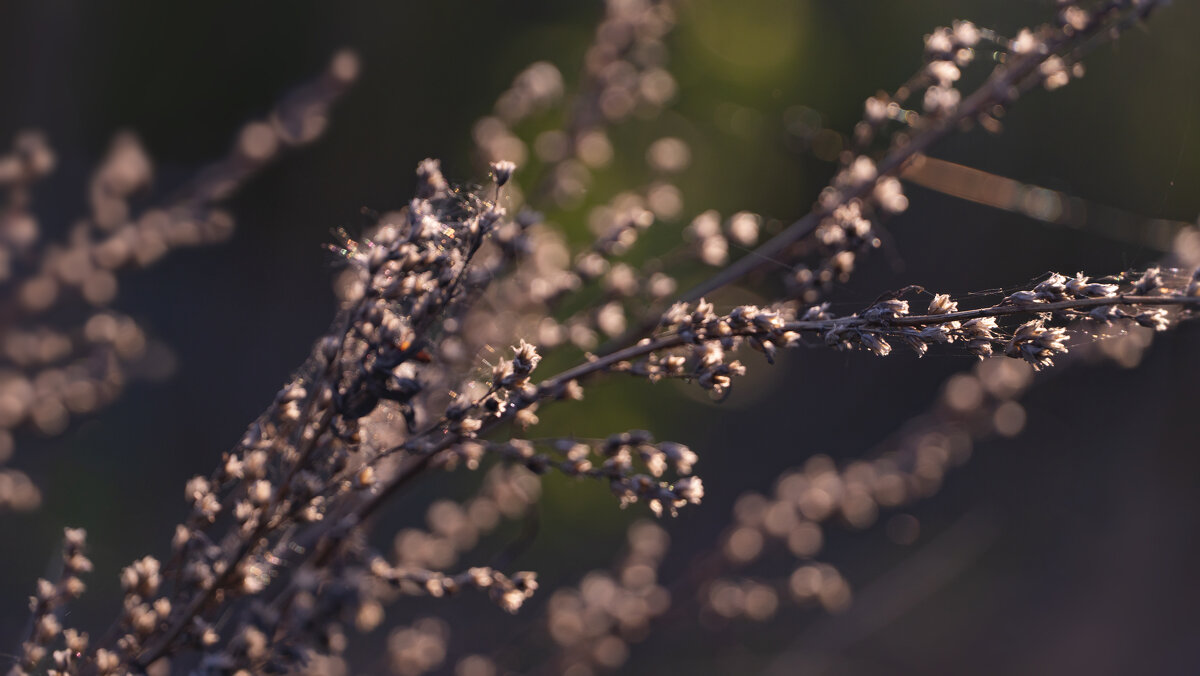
[508, 592]
[1149, 301]
[612, 460]
[47, 607]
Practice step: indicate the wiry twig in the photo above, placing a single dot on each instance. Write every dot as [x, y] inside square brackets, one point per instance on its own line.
[1001, 87]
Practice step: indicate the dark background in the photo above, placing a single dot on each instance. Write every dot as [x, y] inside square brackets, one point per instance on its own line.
[1072, 548]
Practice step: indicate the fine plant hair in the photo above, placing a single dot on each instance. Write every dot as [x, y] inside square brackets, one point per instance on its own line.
[272, 561]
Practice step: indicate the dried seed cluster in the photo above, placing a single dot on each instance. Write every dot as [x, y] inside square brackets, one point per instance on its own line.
[273, 562]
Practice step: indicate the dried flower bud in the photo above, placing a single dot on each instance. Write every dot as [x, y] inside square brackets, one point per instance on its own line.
[502, 171]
